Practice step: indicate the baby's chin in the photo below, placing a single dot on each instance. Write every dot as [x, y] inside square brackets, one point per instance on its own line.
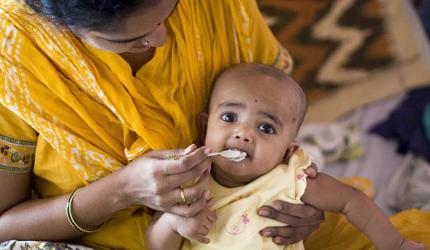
[229, 165]
[232, 175]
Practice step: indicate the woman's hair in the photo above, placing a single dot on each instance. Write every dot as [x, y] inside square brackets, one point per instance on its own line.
[87, 14]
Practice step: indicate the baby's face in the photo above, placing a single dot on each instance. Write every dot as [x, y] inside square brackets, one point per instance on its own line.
[256, 115]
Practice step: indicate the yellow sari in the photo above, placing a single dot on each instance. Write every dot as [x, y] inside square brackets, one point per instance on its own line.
[90, 116]
[93, 116]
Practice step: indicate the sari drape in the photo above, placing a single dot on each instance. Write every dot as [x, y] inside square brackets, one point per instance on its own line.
[90, 115]
[90, 108]
[93, 116]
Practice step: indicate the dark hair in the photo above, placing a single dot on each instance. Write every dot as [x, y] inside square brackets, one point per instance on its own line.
[90, 14]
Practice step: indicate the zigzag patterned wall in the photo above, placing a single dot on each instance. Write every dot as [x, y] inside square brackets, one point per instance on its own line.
[333, 42]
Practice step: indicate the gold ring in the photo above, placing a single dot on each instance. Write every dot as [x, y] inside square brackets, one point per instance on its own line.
[174, 156]
[183, 198]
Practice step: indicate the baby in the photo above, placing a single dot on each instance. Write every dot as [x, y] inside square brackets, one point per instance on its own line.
[258, 110]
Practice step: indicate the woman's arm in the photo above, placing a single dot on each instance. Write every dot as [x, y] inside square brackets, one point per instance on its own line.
[45, 219]
[149, 181]
[14, 188]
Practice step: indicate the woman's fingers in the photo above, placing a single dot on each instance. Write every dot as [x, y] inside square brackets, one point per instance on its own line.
[294, 215]
[182, 164]
[287, 219]
[189, 210]
[171, 153]
[302, 220]
[190, 175]
[286, 241]
[297, 210]
[159, 182]
[191, 194]
[287, 235]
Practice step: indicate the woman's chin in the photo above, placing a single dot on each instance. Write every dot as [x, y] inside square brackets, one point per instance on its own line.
[138, 49]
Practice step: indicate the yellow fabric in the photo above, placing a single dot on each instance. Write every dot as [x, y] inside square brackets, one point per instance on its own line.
[337, 233]
[365, 185]
[238, 223]
[93, 116]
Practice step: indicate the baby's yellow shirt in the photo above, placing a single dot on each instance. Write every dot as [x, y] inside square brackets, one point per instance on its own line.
[238, 224]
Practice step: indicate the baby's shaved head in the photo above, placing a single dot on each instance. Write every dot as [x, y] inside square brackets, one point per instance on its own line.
[249, 71]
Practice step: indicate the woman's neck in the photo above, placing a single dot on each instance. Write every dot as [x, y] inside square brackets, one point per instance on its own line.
[137, 60]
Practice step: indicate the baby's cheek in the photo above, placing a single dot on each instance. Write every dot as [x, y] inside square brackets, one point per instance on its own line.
[275, 155]
[215, 143]
[268, 165]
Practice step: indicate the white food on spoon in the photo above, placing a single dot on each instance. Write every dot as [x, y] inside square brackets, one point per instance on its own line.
[232, 154]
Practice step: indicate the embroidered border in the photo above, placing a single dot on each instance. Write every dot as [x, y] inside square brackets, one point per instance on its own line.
[39, 245]
[16, 156]
[283, 60]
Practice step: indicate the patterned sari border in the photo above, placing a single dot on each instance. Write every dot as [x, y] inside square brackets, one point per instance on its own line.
[16, 156]
[14, 170]
[17, 142]
[283, 60]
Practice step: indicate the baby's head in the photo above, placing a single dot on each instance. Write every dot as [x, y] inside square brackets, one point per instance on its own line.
[257, 109]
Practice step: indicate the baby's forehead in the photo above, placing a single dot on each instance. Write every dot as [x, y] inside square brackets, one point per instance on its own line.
[261, 88]
[250, 70]
[260, 80]
[257, 80]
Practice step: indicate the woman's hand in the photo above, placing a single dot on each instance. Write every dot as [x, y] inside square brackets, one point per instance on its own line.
[302, 220]
[155, 180]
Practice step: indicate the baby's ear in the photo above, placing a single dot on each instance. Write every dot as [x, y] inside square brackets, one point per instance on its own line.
[202, 124]
[292, 148]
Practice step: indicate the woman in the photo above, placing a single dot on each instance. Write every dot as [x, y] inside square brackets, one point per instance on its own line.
[93, 92]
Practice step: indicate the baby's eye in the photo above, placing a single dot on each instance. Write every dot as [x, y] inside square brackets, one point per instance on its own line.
[267, 128]
[228, 117]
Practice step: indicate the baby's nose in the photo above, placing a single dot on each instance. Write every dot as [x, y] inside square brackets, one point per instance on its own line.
[245, 135]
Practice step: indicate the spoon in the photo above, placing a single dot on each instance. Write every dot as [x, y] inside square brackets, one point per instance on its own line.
[231, 154]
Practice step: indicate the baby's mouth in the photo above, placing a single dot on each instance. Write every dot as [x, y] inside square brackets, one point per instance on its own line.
[235, 154]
